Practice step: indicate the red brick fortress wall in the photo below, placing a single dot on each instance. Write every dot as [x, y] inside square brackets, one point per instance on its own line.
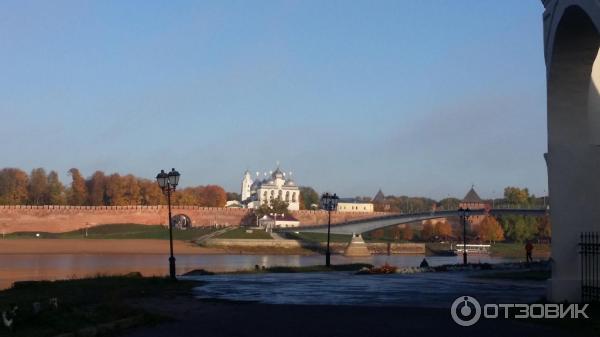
[18, 218]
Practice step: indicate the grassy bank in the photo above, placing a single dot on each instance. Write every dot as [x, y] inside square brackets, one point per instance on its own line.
[245, 233]
[319, 237]
[517, 250]
[118, 231]
[83, 303]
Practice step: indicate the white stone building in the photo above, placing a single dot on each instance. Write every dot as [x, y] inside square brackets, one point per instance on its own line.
[279, 221]
[354, 205]
[256, 191]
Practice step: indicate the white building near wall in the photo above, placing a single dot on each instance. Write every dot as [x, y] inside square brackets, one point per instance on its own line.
[353, 205]
[276, 186]
[279, 221]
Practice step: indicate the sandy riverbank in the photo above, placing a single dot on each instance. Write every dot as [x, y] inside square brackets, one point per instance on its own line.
[146, 246]
[82, 246]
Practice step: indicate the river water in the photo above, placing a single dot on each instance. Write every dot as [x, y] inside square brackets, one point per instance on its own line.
[19, 267]
[346, 288]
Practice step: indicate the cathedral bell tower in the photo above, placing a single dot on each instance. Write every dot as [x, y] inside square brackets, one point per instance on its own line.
[246, 184]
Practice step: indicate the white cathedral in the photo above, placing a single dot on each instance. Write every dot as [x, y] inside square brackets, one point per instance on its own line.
[278, 185]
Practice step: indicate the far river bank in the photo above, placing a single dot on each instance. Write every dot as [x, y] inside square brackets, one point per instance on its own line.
[186, 247]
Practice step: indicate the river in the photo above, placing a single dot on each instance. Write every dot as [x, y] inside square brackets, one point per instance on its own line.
[19, 267]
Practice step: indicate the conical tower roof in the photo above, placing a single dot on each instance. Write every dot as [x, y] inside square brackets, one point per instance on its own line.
[472, 196]
[379, 197]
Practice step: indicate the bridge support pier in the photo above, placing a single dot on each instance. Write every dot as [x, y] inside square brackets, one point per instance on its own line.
[357, 247]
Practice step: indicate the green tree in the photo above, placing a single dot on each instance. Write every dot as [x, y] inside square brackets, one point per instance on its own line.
[449, 203]
[234, 196]
[519, 228]
[308, 197]
[38, 187]
[56, 190]
[517, 196]
[544, 227]
[276, 206]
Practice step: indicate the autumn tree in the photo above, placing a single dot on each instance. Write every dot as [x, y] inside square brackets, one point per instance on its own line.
[407, 233]
[378, 234]
[443, 229]
[213, 196]
[115, 190]
[78, 190]
[13, 186]
[131, 190]
[490, 230]
[38, 187]
[428, 231]
[150, 193]
[189, 196]
[96, 185]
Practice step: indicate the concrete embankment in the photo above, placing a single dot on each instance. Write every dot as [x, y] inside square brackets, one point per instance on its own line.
[336, 247]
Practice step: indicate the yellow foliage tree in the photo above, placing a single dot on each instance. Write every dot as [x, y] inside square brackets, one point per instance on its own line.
[490, 230]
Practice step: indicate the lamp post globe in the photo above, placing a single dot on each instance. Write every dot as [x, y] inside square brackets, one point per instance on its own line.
[162, 178]
[173, 178]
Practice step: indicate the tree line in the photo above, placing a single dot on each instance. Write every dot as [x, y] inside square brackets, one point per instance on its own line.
[100, 189]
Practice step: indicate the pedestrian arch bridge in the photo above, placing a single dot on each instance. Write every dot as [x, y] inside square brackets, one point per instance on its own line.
[366, 225]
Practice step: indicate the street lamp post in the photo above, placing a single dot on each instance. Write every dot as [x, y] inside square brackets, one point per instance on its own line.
[464, 217]
[329, 203]
[168, 182]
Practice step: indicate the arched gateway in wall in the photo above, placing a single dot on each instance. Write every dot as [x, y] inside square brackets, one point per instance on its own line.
[571, 42]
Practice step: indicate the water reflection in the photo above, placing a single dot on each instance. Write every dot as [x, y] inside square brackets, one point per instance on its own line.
[61, 266]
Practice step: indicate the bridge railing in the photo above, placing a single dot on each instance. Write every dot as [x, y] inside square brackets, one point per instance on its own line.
[441, 214]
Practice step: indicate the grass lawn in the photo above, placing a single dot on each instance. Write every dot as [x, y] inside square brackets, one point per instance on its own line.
[240, 233]
[319, 237]
[518, 249]
[118, 231]
[83, 303]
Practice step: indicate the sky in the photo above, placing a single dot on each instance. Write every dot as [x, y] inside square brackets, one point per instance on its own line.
[420, 98]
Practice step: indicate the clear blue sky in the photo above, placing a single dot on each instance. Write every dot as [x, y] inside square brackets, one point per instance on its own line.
[416, 97]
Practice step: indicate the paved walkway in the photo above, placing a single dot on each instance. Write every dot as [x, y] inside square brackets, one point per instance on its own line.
[228, 319]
